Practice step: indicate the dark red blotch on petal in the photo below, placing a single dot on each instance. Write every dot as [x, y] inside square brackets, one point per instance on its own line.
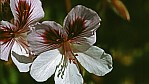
[75, 27]
[6, 34]
[24, 11]
[52, 36]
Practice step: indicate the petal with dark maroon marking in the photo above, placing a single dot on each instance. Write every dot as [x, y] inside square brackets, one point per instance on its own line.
[5, 49]
[81, 23]
[6, 32]
[6, 39]
[48, 35]
[26, 12]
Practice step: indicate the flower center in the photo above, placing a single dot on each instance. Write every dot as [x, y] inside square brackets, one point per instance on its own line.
[8, 34]
[68, 53]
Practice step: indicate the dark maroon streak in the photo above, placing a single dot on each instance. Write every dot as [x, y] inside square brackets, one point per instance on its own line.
[75, 27]
[52, 36]
[24, 12]
[6, 34]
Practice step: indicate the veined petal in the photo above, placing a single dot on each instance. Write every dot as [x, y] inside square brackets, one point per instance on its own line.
[71, 75]
[45, 64]
[26, 11]
[21, 52]
[23, 67]
[6, 32]
[81, 23]
[6, 39]
[19, 56]
[81, 46]
[95, 60]
[47, 35]
[86, 42]
[6, 24]
[19, 48]
[5, 49]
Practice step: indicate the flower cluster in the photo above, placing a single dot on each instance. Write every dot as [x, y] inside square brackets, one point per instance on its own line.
[49, 48]
[13, 35]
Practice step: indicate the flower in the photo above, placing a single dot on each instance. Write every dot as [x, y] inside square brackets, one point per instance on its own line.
[60, 50]
[13, 35]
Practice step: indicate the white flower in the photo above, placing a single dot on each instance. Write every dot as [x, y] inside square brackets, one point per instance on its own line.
[60, 49]
[13, 35]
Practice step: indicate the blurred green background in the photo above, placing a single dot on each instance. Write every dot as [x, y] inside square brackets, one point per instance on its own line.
[126, 40]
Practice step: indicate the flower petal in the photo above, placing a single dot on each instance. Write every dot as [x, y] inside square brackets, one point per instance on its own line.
[23, 67]
[84, 43]
[6, 40]
[48, 35]
[71, 75]
[45, 64]
[81, 23]
[20, 49]
[5, 50]
[95, 60]
[26, 11]
[7, 24]
[19, 56]
[22, 58]
[82, 47]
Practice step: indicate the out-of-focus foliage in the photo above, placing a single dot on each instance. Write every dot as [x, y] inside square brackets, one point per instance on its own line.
[5, 12]
[127, 41]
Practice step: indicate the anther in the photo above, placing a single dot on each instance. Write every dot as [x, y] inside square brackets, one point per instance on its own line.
[25, 11]
[5, 30]
[74, 61]
[57, 40]
[11, 33]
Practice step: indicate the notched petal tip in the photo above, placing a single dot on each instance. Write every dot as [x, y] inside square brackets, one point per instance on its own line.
[107, 62]
[108, 59]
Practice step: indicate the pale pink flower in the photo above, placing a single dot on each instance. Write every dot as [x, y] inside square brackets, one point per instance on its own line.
[61, 50]
[13, 35]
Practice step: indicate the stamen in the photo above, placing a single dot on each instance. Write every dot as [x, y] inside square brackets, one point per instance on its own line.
[25, 11]
[68, 56]
[62, 67]
[11, 33]
[57, 40]
[5, 30]
[68, 53]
